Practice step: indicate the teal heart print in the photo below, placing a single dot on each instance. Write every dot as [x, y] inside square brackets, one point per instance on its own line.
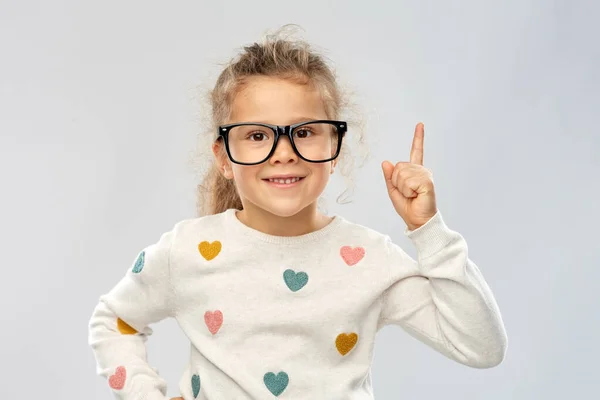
[295, 281]
[196, 385]
[276, 383]
[139, 263]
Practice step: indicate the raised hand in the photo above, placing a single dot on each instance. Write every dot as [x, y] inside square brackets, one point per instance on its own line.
[410, 185]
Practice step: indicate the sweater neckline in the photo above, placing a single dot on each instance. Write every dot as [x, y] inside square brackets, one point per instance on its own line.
[233, 221]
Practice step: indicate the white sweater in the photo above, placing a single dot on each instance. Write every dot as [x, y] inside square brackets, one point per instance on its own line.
[291, 317]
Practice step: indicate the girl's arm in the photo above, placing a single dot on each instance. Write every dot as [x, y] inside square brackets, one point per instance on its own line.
[442, 299]
[119, 326]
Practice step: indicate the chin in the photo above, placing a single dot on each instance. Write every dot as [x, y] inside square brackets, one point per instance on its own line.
[282, 208]
[283, 211]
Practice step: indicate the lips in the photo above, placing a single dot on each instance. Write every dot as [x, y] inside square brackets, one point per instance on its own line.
[289, 180]
[284, 180]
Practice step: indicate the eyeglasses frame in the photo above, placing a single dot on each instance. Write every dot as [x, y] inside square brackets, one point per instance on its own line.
[283, 130]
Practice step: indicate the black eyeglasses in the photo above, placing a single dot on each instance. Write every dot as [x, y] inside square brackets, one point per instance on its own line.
[250, 143]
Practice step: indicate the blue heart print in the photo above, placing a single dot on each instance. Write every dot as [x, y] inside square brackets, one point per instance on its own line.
[276, 383]
[295, 281]
[139, 263]
[196, 385]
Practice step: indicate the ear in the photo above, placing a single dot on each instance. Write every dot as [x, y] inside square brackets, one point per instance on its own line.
[222, 160]
[333, 163]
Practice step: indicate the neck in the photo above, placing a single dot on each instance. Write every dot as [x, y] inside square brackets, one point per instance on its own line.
[306, 221]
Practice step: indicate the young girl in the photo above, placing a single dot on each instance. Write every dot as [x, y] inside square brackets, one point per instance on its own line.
[277, 299]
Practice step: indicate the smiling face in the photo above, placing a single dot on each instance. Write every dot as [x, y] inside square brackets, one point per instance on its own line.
[273, 186]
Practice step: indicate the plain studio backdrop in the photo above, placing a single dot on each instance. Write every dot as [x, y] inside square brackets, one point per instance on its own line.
[99, 105]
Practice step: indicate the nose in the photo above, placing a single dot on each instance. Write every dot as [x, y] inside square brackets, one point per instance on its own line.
[284, 153]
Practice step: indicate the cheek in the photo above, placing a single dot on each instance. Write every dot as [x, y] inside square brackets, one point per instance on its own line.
[244, 177]
[321, 172]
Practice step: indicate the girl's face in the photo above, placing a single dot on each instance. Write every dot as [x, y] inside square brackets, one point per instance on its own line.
[281, 102]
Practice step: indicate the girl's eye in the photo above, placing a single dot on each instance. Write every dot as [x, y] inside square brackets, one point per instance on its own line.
[257, 136]
[302, 133]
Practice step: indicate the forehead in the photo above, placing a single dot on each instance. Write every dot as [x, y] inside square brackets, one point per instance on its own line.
[276, 101]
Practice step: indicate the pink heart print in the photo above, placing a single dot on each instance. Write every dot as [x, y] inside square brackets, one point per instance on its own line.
[213, 320]
[117, 381]
[352, 255]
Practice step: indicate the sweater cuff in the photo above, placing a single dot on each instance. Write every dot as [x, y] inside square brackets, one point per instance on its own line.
[147, 388]
[156, 395]
[431, 237]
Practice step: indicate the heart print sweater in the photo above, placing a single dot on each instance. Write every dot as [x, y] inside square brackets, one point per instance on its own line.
[272, 317]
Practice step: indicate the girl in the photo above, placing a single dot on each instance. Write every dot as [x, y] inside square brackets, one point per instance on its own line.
[277, 299]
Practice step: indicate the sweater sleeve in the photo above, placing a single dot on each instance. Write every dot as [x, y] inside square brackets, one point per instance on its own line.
[442, 298]
[119, 325]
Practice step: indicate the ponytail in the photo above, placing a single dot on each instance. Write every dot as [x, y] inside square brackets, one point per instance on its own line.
[217, 193]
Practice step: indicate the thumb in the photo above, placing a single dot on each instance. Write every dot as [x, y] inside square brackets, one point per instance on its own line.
[388, 170]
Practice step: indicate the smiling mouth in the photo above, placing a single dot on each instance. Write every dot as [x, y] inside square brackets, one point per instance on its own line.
[284, 181]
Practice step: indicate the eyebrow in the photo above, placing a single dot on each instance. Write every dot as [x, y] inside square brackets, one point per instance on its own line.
[304, 119]
[293, 121]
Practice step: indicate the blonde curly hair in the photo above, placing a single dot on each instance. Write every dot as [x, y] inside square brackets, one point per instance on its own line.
[278, 56]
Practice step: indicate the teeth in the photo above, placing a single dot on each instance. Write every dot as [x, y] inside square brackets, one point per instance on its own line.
[285, 181]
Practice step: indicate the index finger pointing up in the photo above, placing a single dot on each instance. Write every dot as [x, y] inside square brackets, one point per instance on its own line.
[416, 152]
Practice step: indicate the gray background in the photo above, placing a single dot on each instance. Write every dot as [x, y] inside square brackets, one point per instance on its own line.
[98, 115]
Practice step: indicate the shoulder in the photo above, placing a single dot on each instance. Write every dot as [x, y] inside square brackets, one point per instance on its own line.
[360, 233]
[201, 225]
